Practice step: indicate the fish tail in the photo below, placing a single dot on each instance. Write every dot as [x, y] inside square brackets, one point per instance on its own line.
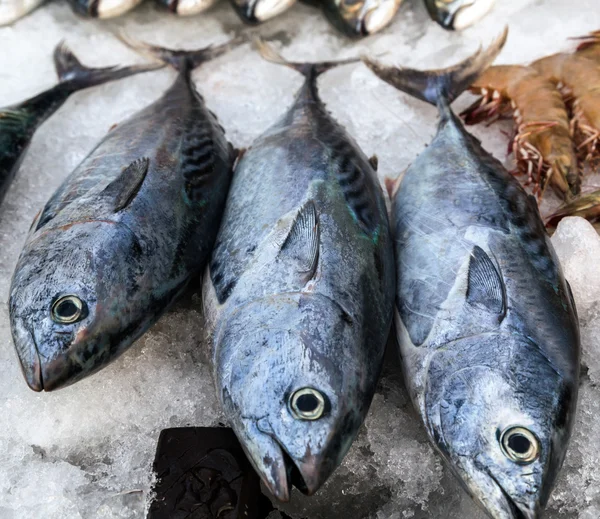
[309, 70]
[440, 87]
[183, 60]
[77, 76]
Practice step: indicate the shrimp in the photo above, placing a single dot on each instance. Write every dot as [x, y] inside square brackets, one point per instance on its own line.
[578, 77]
[587, 206]
[589, 46]
[542, 145]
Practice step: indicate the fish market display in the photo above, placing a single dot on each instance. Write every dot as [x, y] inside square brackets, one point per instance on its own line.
[486, 322]
[258, 11]
[12, 10]
[299, 293]
[19, 122]
[458, 14]
[124, 234]
[357, 18]
[187, 7]
[103, 8]
[542, 145]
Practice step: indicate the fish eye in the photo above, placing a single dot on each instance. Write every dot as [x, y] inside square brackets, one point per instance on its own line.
[68, 309]
[520, 445]
[307, 404]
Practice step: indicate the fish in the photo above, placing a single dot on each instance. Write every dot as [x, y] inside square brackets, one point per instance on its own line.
[187, 7]
[19, 122]
[298, 294]
[254, 12]
[13, 10]
[457, 15]
[485, 320]
[357, 18]
[124, 234]
[103, 9]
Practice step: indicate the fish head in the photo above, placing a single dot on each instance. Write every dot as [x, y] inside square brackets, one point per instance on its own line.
[294, 406]
[361, 17]
[502, 429]
[458, 14]
[258, 11]
[71, 301]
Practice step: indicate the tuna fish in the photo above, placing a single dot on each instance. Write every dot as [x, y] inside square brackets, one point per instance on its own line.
[123, 235]
[12, 10]
[358, 18]
[299, 293]
[187, 7]
[19, 122]
[103, 8]
[458, 14]
[257, 11]
[486, 322]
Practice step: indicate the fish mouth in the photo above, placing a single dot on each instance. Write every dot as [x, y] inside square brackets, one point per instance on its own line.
[266, 9]
[507, 508]
[469, 14]
[113, 8]
[32, 371]
[190, 7]
[376, 19]
[279, 471]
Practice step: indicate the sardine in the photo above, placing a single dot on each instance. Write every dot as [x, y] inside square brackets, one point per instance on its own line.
[299, 293]
[103, 8]
[123, 235]
[257, 11]
[12, 10]
[458, 14]
[19, 122]
[486, 322]
[187, 7]
[358, 18]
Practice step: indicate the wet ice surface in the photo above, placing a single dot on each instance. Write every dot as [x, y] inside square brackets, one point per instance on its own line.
[86, 451]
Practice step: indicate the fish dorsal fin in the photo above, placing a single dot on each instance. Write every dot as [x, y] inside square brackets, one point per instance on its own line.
[301, 245]
[485, 287]
[126, 186]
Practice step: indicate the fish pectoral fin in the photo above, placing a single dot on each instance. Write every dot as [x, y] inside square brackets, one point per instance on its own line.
[301, 245]
[126, 186]
[374, 161]
[485, 286]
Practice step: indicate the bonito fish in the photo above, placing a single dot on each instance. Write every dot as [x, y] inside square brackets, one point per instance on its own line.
[19, 122]
[486, 322]
[124, 234]
[12, 10]
[299, 293]
[458, 14]
[357, 18]
[258, 11]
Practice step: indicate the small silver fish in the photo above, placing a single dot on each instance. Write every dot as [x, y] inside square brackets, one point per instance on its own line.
[103, 9]
[187, 7]
[458, 14]
[486, 322]
[258, 11]
[12, 10]
[360, 17]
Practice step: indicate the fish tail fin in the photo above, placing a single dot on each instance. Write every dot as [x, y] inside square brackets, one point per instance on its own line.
[309, 70]
[182, 60]
[71, 72]
[440, 87]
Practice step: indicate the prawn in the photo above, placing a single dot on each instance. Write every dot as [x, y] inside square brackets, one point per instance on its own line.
[587, 206]
[542, 144]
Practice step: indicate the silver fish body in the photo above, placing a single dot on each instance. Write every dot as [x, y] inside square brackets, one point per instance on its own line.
[458, 14]
[357, 18]
[13, 10]
[257, 11]
[122, 236]
[299, 295]
[485, 319]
